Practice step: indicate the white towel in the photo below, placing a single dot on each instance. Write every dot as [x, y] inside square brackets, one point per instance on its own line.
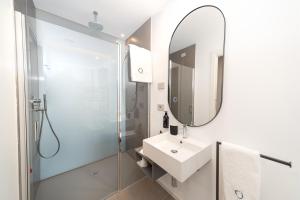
[140, 64]
[241, 172]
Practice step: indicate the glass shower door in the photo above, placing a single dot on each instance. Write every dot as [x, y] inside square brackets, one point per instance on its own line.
[79, 76]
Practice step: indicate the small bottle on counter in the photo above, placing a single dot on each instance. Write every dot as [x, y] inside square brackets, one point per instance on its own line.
[166, 120]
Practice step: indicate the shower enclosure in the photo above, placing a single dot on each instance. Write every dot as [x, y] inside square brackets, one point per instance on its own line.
[77, 152]
[79, 75]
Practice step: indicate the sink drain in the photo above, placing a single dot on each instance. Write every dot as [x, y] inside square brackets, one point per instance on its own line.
[174, 151]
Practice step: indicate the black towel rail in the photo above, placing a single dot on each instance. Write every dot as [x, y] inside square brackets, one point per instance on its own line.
[261, 155]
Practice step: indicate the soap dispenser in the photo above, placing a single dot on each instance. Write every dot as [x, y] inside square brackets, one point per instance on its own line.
[166, 120]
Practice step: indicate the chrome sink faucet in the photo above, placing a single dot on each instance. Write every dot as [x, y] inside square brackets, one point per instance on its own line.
[184, 131]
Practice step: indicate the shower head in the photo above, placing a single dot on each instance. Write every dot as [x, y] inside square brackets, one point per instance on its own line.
[94, 25]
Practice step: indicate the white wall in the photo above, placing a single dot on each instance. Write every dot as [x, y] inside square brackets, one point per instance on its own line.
[8, 105]
[261, 107]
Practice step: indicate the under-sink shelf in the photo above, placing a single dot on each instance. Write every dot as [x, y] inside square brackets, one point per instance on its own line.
[152, 170]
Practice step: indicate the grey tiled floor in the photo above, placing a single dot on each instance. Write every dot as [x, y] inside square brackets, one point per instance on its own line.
[91, 182]
[145, 189]
[98, 180]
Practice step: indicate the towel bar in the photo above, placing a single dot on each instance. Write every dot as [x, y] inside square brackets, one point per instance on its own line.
[261, 155]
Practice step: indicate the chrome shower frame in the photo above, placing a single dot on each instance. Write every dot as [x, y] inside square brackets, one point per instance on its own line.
[21, 58]
[22, 87]
[119, 102]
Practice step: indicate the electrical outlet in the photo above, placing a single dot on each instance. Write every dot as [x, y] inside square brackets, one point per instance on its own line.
[160, 107]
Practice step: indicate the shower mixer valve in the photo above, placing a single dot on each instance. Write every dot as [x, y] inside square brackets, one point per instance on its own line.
[36, 104]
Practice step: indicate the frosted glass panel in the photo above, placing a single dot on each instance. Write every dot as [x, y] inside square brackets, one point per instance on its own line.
[79, 77]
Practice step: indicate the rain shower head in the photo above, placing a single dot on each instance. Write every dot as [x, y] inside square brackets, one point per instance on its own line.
[94, 25]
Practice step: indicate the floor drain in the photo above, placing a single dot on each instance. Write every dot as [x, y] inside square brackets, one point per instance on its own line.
[94, 173]
[174, 151]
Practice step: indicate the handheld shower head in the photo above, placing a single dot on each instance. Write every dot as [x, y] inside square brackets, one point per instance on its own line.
[45, 102]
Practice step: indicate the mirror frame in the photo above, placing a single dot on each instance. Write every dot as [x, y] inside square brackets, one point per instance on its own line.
[222, 87]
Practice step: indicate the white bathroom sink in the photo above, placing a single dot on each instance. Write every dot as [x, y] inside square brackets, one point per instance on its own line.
[179, 157]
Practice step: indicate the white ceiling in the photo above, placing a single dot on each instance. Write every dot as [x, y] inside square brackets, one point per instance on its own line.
[117, 16]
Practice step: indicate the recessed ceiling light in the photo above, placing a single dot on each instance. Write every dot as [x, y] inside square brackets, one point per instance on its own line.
[133, 39]
[122, 35]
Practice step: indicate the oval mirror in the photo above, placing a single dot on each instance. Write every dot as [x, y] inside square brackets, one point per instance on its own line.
[196, 66]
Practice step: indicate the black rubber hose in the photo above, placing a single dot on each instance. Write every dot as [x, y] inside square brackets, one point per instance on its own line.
[44, 112]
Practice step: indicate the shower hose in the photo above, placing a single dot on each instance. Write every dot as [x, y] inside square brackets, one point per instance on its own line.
[45, 114]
